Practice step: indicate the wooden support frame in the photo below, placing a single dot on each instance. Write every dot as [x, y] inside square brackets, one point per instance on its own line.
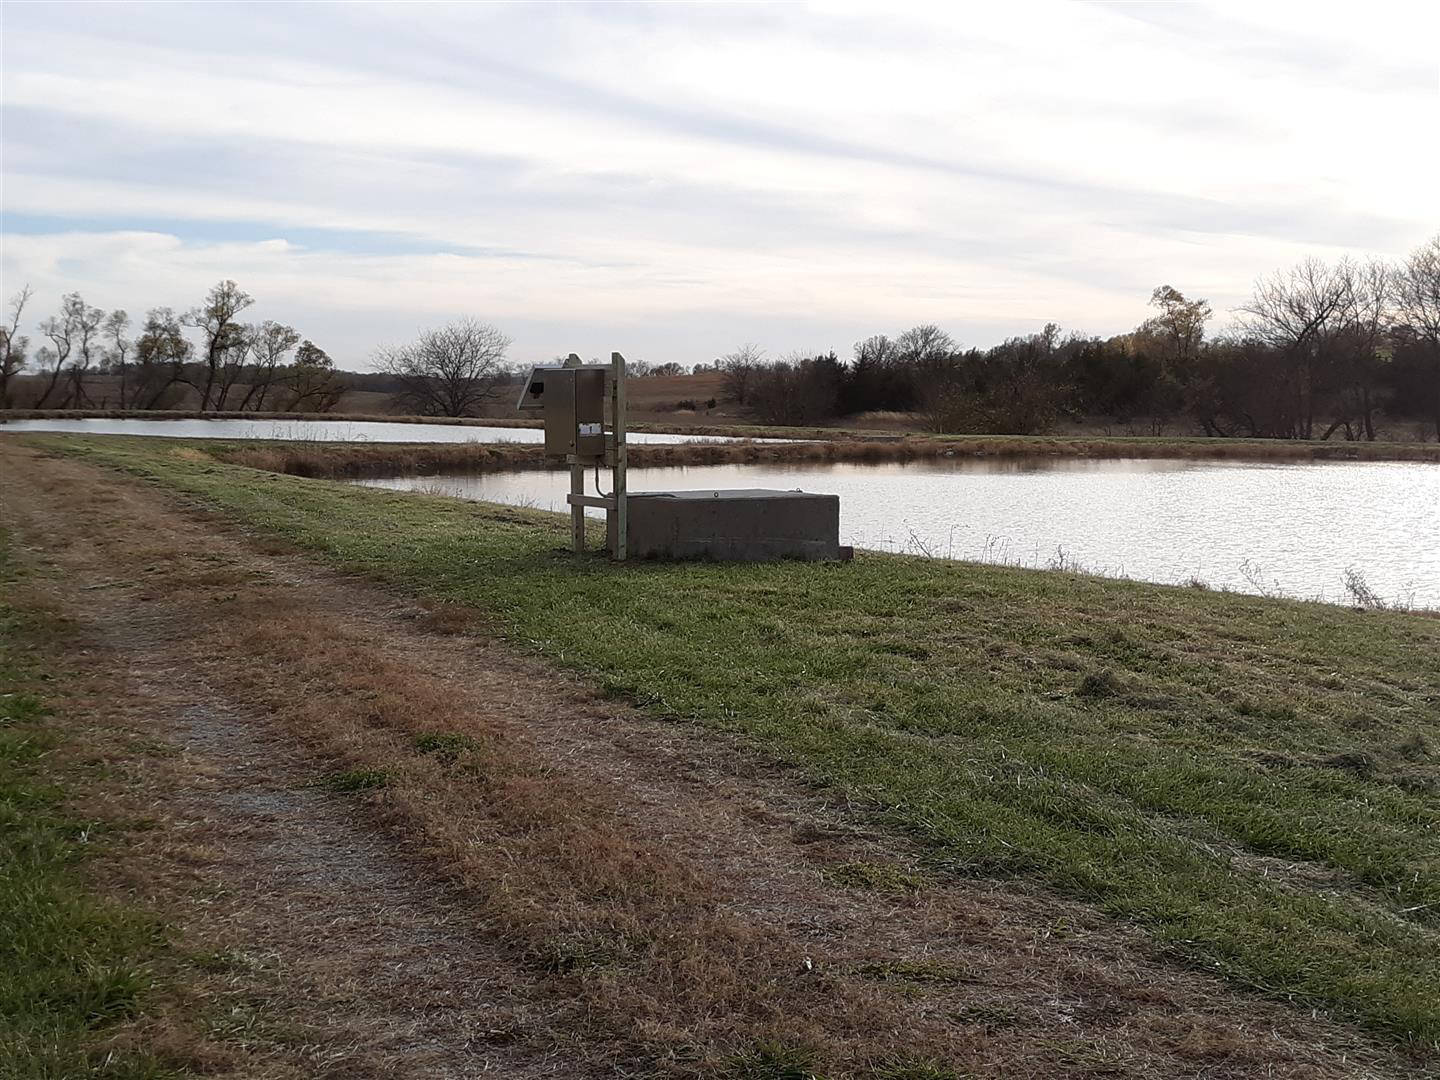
[616, 456]
[621, 508]
[600, 502]
[577, 487]
[577, 510]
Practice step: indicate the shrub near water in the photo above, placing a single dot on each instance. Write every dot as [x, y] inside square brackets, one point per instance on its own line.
[1175, 757]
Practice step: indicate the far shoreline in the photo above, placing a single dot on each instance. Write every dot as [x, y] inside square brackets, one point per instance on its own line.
[822, 444]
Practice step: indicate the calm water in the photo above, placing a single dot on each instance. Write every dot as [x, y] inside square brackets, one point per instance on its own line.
[1291, 529]
[319, 431]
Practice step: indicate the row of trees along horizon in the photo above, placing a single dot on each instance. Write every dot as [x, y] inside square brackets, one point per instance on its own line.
[1320, 349]
[236, 367]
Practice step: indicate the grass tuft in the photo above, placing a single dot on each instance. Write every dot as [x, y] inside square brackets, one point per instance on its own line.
[1415, 747]
[908, 1068]
[877, 877]
[577, 953]
[446, 746]
[916, 972]
[1099, 684]
[993, 1017]
[774, 1061]
[353, 780]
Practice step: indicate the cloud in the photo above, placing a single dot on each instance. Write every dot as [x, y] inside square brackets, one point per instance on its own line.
[696, 175]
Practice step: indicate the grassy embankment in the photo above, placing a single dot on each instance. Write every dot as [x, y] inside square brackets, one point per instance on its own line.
[72, 966]
[1256, 782]
[317, 459]
[841, 444]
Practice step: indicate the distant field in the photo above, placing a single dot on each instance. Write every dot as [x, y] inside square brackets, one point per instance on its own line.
[1252, 781]
[656, 398]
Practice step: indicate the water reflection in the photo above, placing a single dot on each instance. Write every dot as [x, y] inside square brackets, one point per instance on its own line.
[319, 431]
[1291, 529]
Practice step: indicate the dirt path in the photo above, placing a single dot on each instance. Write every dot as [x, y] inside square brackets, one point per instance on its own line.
[531, 881]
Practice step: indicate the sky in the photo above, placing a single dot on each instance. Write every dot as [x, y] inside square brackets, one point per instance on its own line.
[673, 180]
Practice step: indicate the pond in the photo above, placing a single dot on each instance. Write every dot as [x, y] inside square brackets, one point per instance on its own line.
[1280, 529]
[337, 430]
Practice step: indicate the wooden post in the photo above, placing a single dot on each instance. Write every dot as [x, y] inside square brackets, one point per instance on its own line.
[577, 487]
[622, 509]
[577, 513]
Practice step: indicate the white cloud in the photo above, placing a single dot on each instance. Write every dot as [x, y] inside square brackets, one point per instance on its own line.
[716, 171]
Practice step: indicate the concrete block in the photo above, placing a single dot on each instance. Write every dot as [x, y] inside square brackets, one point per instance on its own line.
[744, 525]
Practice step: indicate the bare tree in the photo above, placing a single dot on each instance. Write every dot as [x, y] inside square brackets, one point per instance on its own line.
[76, 325]
[224, 340]
[1417, 308]
[1300, 312]
[880, 377]
[86, 321]
[738, 371]
[310, 383]
[266, 346]
[1361, 353]
[1015, 388]
[13, 345]
[117, 362]
[799, 389]
[450, 371]
[161, 353]
[50, 359]
[925, 347]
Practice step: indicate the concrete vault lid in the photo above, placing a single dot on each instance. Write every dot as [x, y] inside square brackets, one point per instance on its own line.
[730, 493]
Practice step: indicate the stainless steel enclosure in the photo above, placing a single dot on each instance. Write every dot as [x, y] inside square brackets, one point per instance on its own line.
[572, 402]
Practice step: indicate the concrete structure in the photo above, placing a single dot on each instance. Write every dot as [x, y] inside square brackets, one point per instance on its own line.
[751, 525]
[745, 525]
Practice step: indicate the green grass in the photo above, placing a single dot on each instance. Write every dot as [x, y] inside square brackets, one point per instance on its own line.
[446, 746]
[347, 783]
[71, 966]
[1135, 746]
[903, 1068]
[877, 877]
[915, 972]
[774, 1061]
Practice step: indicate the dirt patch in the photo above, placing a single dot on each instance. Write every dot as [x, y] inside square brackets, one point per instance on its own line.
[309, 945]
[524, 857]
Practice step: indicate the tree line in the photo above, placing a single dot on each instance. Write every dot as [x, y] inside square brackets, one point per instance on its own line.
[453, 370]
[233, 366]
[1320, 350]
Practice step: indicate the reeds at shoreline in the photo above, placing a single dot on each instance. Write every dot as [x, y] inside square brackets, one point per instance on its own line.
[315, 459]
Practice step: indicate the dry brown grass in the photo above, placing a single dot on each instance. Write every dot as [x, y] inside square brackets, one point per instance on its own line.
[301, 944]
[670, 883]
[625, 925]
[371, 459]
[883, 442]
